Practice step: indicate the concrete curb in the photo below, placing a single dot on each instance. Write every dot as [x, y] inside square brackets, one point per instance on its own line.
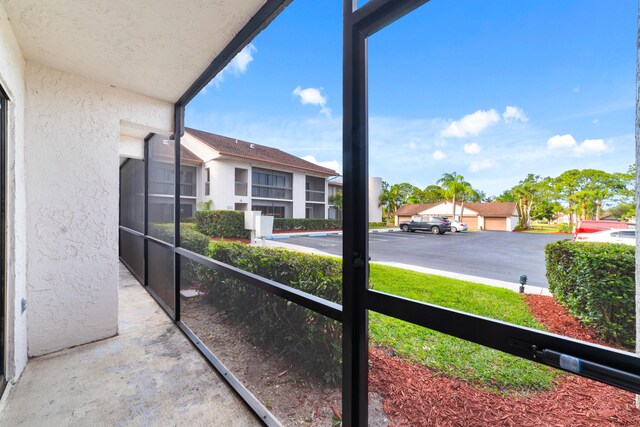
[280, 236]
[515, 287]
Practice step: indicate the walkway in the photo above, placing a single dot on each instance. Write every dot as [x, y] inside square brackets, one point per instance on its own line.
[148, 375]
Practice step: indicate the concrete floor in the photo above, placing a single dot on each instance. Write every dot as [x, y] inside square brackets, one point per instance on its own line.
[148, 375]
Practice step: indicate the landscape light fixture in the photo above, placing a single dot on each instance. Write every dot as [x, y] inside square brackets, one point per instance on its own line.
[523, 281]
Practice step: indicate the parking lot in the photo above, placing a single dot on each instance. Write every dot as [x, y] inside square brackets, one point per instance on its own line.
[490, 254]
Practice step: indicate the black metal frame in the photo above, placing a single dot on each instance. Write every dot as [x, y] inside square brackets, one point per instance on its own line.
[603, 364]
[4, 116]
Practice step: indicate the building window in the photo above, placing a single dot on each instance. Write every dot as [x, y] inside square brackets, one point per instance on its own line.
[271, 184]
[314, 189]
[162, 179]
[188, 181]
[275, 211]
[241, 183]
[207, 182]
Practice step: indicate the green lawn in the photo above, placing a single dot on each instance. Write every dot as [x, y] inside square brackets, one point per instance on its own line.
[452, 356]
[543, 228]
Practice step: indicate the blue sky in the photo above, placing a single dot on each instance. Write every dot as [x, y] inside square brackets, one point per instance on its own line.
[492, 90]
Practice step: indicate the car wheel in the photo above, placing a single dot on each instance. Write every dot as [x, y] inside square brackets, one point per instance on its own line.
[454, 230]
[435, 230]
[404, 228]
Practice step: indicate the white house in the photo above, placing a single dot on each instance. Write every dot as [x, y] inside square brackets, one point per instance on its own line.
[497, 216]
[245, 176]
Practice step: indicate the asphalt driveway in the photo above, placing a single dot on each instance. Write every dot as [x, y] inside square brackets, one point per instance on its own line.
[490, 254]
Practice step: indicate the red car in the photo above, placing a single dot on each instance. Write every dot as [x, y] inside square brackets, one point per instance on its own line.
[587, 227]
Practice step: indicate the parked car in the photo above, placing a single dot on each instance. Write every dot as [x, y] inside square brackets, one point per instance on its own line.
[457, 226]
[434, 224]
[587, 227]
[626, 237]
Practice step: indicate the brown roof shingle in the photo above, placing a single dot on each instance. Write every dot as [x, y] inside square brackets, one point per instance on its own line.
[493, 209]
[414, 209]
[237, 148]
[499, 209]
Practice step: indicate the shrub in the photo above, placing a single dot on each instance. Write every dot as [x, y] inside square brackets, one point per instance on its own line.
[377, 225]
[596, 282]
[288, 224]
[565, 228]
[221, 224]
[190, 239]
[282, 327]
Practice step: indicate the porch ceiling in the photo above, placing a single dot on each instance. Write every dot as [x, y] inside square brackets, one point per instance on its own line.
[153, 47]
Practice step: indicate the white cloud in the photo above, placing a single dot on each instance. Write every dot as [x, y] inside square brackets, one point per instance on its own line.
[585, 148]
[413, 145]
[576, 89]
[439, 155]
[238, 65]
[472, 148]
[596, 122]
[313, 96]
[331, 164]
[591, 146]
[471, 124]
[512, 113]
[478, 165]
[559, 142]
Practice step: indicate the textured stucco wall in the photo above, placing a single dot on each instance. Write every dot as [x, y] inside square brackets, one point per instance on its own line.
[131, 147]
[73, 136]
[299, 194]
[12, 66]
[375, 189]
[223, 179]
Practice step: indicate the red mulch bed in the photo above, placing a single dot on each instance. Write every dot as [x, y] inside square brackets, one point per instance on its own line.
[417, 396]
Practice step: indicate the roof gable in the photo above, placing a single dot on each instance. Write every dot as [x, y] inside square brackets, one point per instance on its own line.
[414, 209]
[498, 209]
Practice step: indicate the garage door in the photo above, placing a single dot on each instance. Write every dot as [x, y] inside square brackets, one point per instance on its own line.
[403, 218]
[471, 221]
[496, 224]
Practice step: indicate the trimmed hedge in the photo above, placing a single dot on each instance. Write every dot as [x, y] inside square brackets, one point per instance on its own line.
[288, 224]
[596, 283]
[285, 328]
[221, 223]
[190, 239]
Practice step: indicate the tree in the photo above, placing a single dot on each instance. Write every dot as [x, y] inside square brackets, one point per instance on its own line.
[623, 211]
[416, 196]
[433, 194]
[452, 183]
[393, 197]
[565, 186]
[585, 191]
[337, 201]
[528, 194]
[466, 192]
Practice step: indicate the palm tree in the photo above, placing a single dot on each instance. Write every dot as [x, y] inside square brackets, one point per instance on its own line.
[467, 192]
[452, 184]
[392, 197]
